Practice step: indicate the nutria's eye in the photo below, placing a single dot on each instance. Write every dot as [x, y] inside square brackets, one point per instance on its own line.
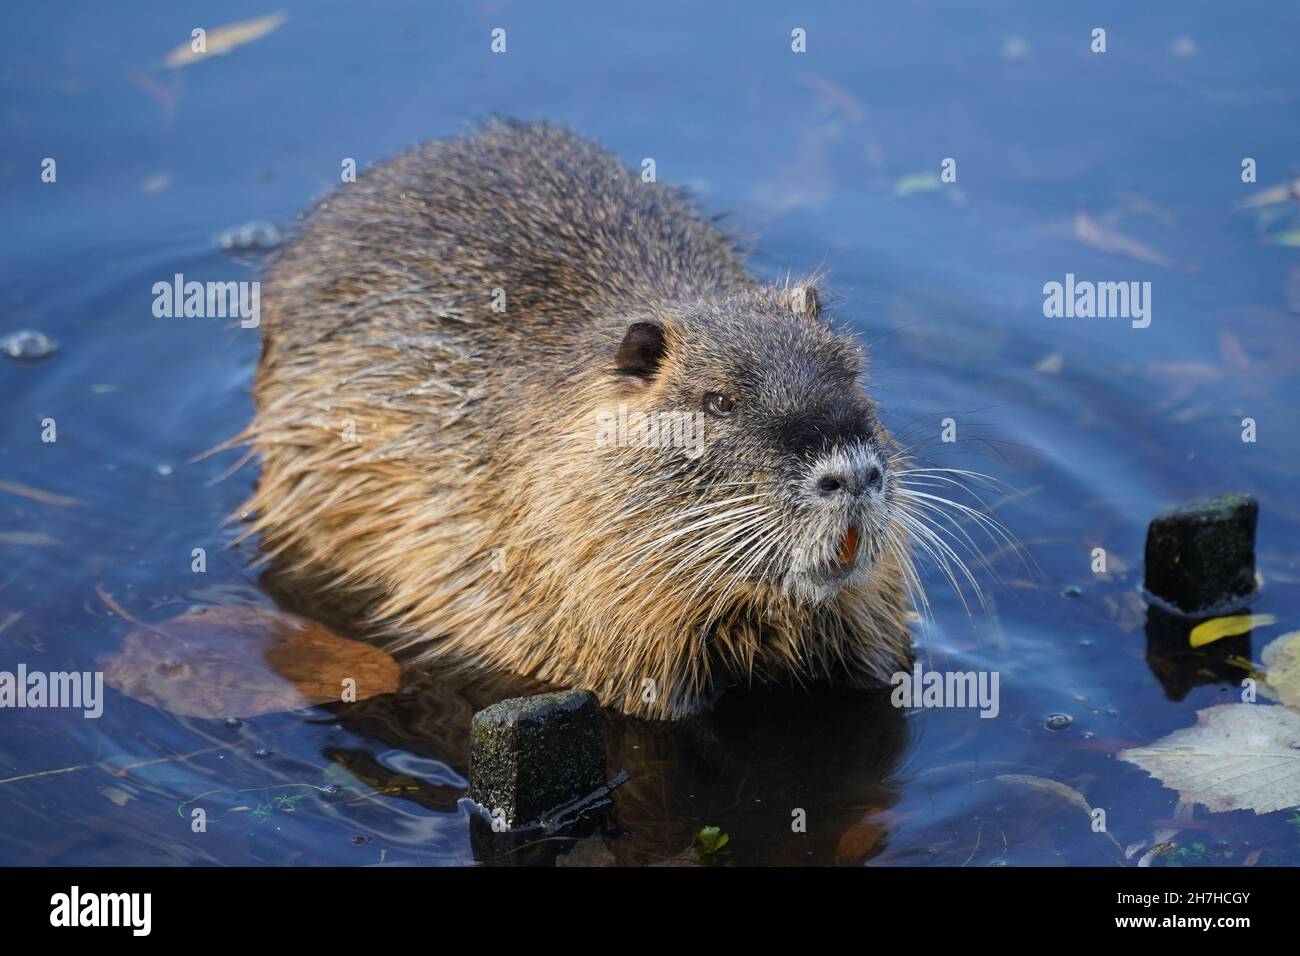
[719, 405]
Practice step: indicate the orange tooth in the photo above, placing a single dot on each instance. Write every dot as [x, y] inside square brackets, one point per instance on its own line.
[849, 545]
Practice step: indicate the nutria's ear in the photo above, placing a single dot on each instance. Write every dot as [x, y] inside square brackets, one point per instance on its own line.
[641, 350]
[802, 300]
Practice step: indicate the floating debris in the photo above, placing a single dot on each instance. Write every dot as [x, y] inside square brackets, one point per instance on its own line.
[28, 539]
[27, 345]
[36, 494]
[223, 39]
[250, 237]
[1207, 632]
[157, 183]
[1282, 193]
[917, 183]
[1098, 236]
[1050, 364]
[1015, 48]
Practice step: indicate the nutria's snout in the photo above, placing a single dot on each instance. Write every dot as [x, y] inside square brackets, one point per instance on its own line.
[847, 517]
[849, 474]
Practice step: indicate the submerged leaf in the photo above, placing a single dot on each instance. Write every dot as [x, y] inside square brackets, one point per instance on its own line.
[1057, 789]
[1104, 239]
[711, 840]
[235, 661]
[1236, 757]
[1207, 632]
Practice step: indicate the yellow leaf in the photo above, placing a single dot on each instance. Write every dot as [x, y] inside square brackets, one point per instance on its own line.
[1218, 628]
[224, 39]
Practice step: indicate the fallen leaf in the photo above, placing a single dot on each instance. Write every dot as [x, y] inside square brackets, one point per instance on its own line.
[35, 494]
[1236, 757]
[1284, 192]
[223, 39]
[710, 840]
[117, 795]
[1050, 364]
[35, 539]
[157, 183]
[1281, 660]
[232, 661]
[917, 183]
[860, 842]
[1207, 632]
[1234, 356]
[1056, 788]
[1092, 233]
[1291, 287]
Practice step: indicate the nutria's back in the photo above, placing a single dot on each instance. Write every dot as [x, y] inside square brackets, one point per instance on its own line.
[531, 412]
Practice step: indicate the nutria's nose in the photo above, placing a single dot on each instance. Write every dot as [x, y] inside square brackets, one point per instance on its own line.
[852, 482]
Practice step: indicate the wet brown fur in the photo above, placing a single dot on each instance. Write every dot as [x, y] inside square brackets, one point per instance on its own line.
[474, 429]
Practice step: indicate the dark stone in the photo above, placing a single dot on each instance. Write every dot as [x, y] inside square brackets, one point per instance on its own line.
[532, 755]
[1202, 555]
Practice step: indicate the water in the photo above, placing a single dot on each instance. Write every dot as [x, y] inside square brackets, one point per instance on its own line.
[1098, 424]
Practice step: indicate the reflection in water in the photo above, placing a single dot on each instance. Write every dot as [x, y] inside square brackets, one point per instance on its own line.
[1179, 667]
[743, 767]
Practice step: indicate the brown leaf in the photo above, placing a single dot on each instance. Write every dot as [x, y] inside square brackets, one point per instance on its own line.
[859, 842]
[232, 661]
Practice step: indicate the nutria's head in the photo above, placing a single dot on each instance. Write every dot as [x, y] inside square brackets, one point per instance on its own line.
[778, 471]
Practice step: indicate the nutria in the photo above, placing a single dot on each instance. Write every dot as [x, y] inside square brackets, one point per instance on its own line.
[532, 413]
